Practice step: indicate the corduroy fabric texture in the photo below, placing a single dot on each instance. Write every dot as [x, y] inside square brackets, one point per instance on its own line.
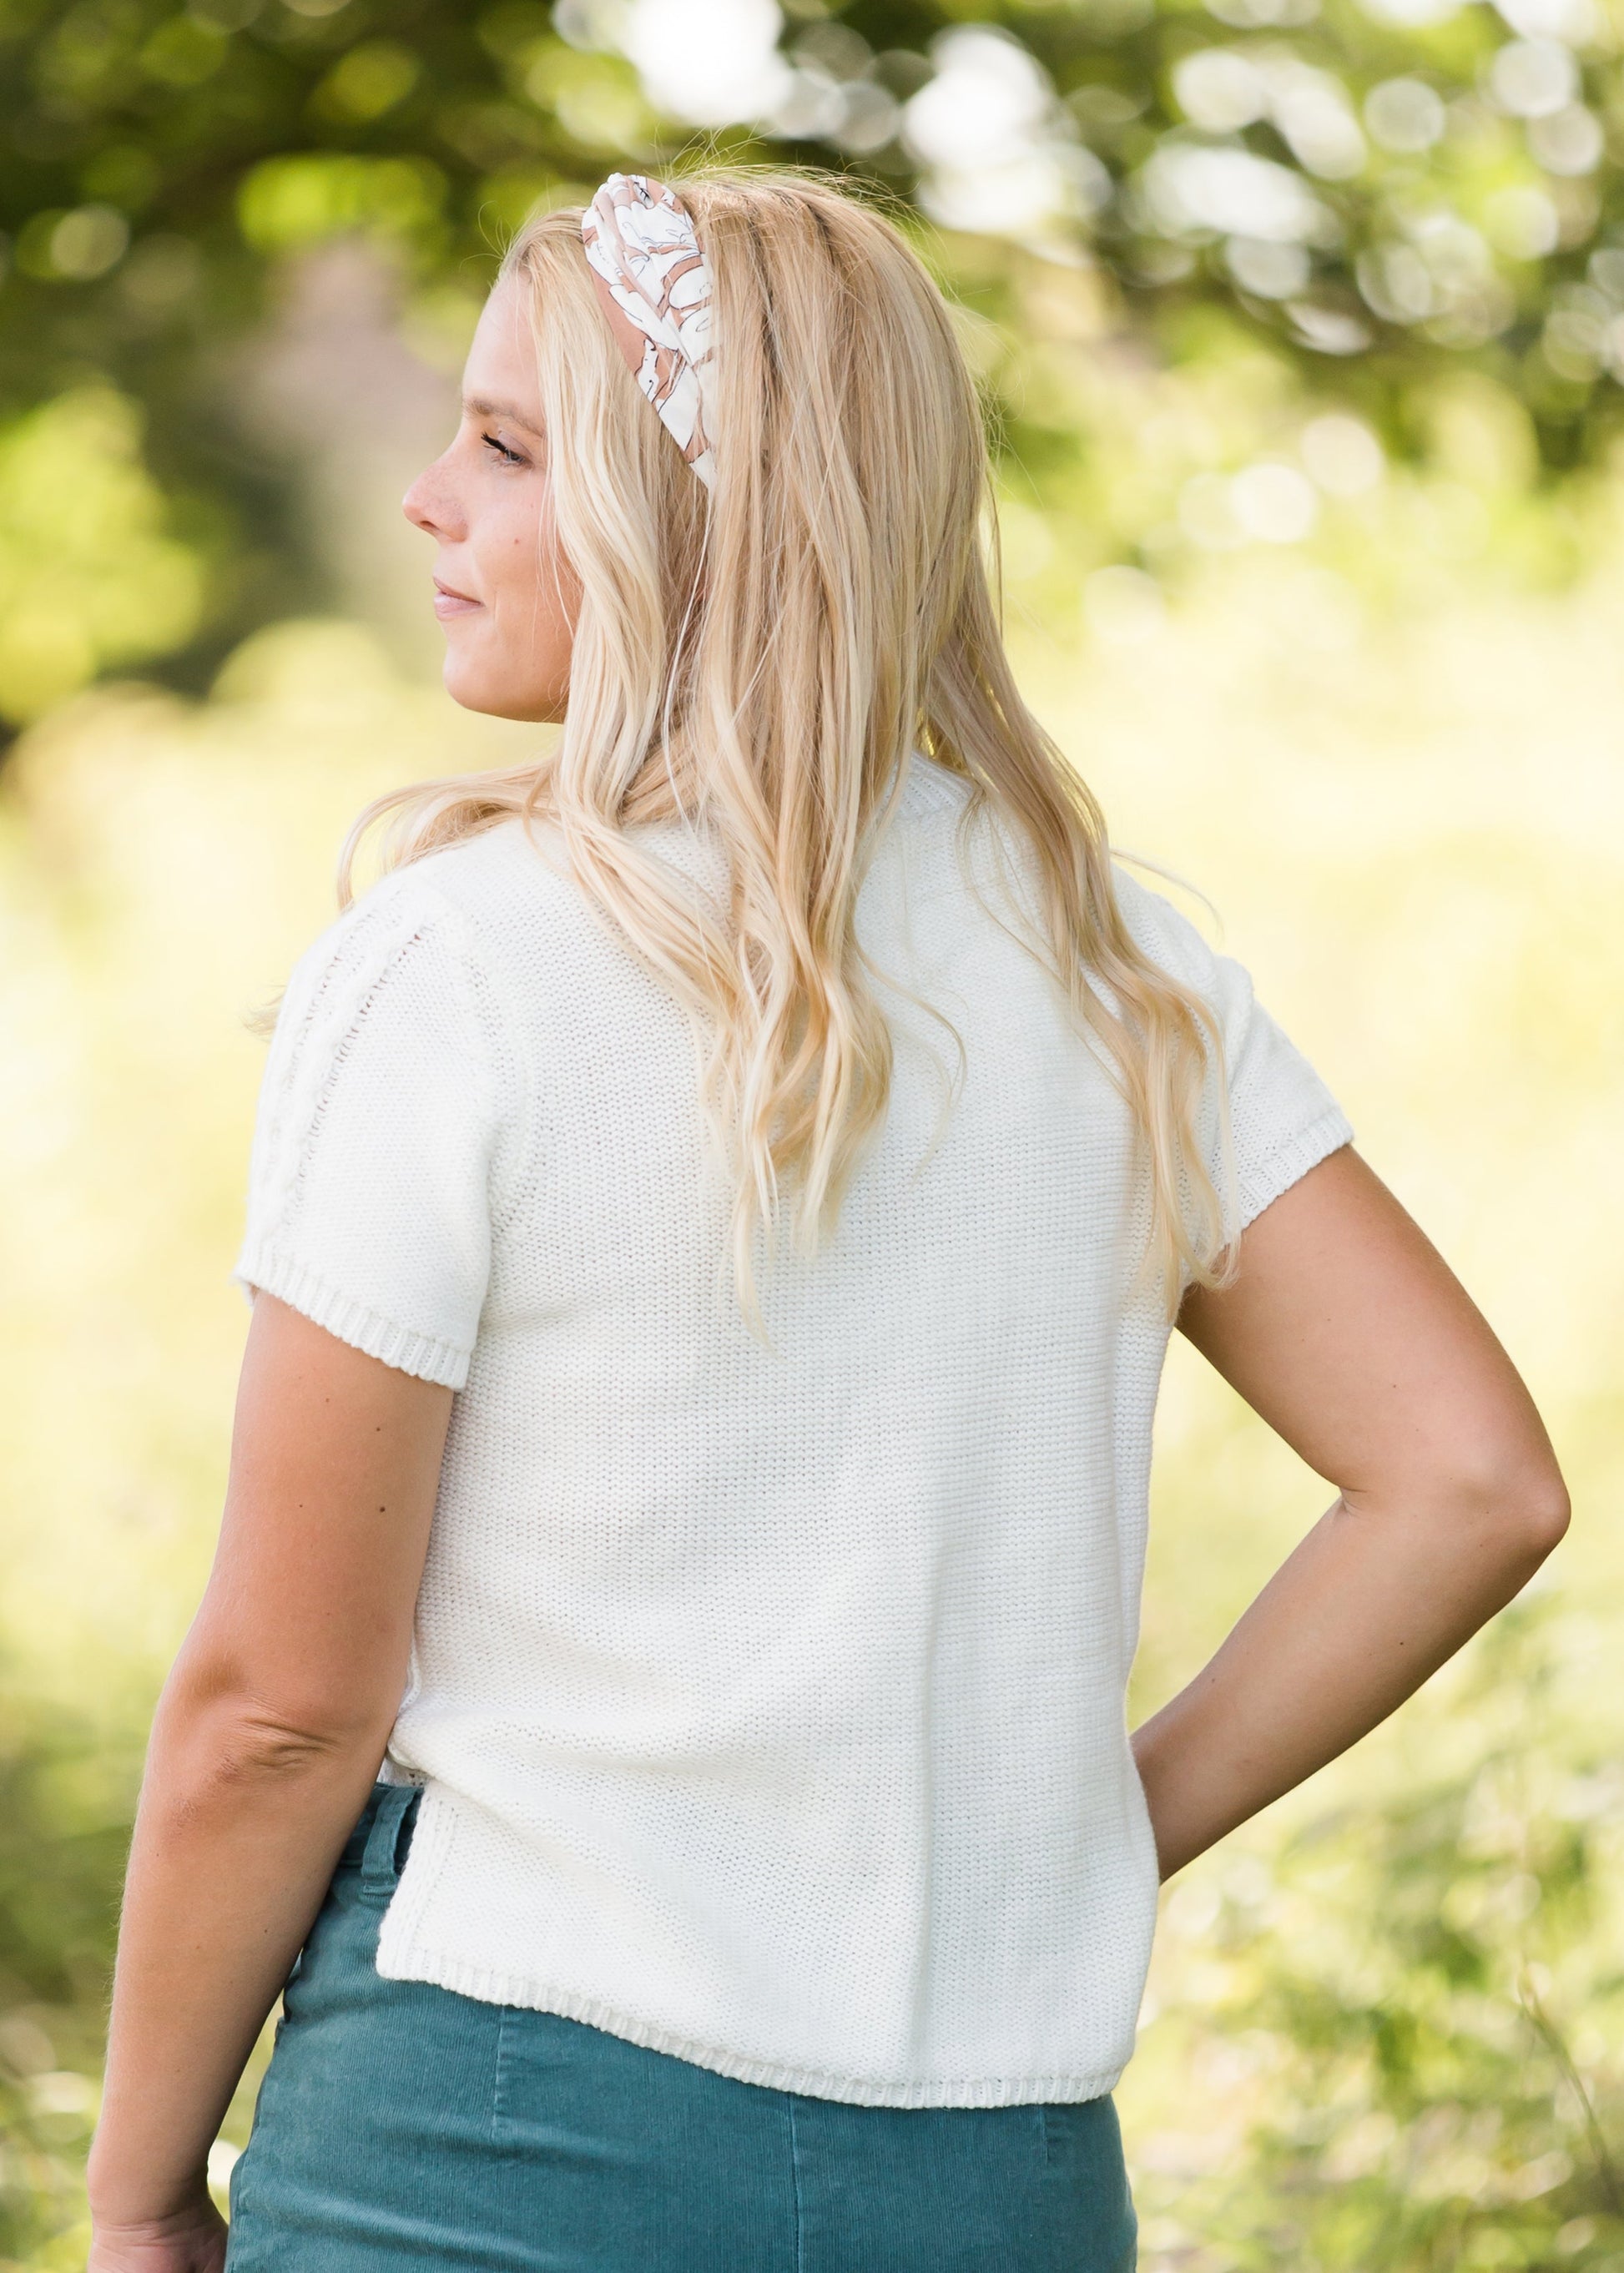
[769, 1701]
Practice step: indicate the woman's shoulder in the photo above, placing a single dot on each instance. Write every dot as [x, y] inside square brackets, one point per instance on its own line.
[1161, 930]
[502, 866]
[463, 896]
[427, 933]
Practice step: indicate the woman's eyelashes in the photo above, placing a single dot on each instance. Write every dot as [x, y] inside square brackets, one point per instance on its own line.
[505, 456]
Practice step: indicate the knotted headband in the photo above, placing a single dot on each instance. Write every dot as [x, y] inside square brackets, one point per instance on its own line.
[654, 284]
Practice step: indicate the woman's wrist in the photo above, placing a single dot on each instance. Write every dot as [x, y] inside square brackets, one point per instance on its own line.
[1179, 1807]
[127, 2197]
[189, 2241]
[174, 2225]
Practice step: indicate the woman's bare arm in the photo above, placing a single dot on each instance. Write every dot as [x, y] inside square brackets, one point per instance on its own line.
[270, 1731]
[1347, 1331]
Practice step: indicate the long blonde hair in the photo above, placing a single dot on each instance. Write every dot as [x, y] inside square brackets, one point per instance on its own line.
[770, 655]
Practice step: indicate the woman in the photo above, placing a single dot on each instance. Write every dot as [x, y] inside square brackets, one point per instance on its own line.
[717, 1210]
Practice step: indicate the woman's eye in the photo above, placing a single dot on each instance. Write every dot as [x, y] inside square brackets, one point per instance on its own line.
[508, 457]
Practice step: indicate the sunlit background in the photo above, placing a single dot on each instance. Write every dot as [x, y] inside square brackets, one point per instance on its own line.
[1301, 325]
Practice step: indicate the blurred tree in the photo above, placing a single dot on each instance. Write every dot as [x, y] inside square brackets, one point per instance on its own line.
[1376, 193]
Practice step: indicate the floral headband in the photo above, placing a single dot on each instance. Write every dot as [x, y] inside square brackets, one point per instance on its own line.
[654, 287]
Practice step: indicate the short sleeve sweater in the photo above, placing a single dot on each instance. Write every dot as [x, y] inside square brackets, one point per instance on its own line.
[768, 1699]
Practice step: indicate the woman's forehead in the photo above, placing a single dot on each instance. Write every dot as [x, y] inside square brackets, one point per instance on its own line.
[498, 369]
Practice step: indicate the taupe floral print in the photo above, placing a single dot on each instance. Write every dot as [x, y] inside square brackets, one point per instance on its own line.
[654, 283]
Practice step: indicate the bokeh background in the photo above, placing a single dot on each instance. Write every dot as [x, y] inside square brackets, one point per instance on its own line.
[1301, 325]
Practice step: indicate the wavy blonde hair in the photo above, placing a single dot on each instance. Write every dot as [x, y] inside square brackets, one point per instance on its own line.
[769, 655]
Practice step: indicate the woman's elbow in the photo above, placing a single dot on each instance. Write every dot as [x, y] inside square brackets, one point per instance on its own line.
[225, 1736]
[1506, 1509]
[1545, 1510]
[259, 1743]
[1517, 1507]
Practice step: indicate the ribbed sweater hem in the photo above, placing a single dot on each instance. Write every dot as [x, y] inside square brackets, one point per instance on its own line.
[352, 1322]
[1293, 1160]
[490, 1986]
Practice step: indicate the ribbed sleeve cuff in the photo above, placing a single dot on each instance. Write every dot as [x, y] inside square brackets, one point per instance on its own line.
[1293, 1159]
[425, 1355]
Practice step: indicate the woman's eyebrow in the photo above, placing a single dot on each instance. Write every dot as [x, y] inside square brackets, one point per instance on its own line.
[481, 408]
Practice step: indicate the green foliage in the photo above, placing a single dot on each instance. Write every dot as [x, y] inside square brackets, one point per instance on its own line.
[67, 1800]
[45, 2116]
[67, 1797]
[1420, 2003]
[90, 574]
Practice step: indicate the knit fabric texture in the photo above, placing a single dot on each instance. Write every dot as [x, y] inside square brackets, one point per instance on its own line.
[768, 1699]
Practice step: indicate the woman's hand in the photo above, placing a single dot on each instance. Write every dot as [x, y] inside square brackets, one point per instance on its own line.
[1348, 1333]
[270, 1731]
[193, 2241]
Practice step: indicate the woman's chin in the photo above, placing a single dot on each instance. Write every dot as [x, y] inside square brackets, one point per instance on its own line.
[496, 696]
[475, 688]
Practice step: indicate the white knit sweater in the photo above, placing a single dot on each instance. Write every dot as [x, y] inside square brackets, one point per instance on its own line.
[767, 1701]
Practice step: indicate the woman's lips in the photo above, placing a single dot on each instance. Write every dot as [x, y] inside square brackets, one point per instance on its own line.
[448, 603]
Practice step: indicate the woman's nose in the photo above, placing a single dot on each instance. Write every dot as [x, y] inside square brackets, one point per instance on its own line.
[429, 505]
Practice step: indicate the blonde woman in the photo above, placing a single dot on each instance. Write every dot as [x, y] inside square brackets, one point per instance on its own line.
[719, 1206]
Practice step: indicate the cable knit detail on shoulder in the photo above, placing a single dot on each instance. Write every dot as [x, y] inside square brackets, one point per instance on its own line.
[383, 1112]
[340, 979]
